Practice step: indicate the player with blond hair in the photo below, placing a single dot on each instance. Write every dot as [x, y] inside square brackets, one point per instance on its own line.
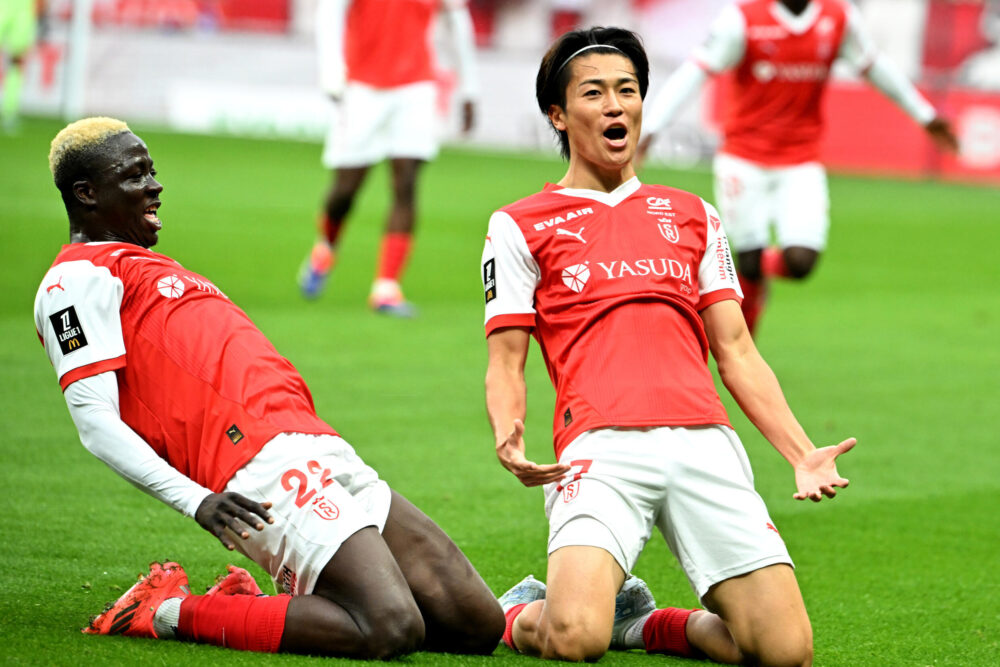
[173, 387]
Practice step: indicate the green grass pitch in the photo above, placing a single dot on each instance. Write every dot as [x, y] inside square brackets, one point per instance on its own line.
[894, 340]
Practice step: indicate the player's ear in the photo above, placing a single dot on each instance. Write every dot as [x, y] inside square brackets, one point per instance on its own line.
[557, 116]
[83, 192]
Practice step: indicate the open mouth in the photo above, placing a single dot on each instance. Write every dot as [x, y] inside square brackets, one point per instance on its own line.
[150, 215]
[616, 133]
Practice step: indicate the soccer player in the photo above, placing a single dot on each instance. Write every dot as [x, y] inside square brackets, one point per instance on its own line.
[173, 387]
[627, 287]
[779, 54]
[376, 63]
[18, 29]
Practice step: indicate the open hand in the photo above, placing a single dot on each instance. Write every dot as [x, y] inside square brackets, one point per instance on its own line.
[816, 475]
[942, 135]
[234, 511]
[510, 451]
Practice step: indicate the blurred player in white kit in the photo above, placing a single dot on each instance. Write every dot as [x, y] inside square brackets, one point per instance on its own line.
[376, 62]
[767, 171]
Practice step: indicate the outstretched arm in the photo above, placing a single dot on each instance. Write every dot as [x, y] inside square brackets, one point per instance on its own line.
[752, 383]
[859, 50]
[722, 49]
[93, 405]
[505, 405]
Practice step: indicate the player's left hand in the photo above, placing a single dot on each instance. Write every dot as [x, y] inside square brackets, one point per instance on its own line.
[234, 511]
[468, 116]
[816, 475]
[942, 134]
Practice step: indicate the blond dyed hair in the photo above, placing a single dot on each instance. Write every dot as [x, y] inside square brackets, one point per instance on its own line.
[77, 140]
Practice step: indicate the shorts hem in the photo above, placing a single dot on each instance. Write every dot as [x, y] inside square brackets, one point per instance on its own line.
[705, 584]
[622, 554]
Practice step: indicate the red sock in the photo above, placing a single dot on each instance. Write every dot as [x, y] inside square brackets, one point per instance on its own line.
[772, 263]
[242, 622]
[510, 615]
[330, 228]
[754, 297]
[665, 631]
[393, 254]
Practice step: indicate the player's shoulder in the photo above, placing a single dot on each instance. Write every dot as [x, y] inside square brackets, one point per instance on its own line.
[548, 205]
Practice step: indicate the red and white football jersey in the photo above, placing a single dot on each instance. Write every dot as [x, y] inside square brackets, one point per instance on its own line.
[779, 64]
[389, 43]
[197, 380]
[611, 284]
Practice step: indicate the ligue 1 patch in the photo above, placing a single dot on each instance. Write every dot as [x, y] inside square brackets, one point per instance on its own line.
[234, 433]
[69, 333]
[489, 280]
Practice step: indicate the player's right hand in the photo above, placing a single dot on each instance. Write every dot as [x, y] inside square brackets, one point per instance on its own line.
[234, 511]
[510, 451]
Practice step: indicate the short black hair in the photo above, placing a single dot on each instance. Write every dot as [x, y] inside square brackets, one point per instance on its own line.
[554, 72]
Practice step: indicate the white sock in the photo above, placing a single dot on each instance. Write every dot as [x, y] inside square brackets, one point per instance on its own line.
[633, 634]
[167, 617]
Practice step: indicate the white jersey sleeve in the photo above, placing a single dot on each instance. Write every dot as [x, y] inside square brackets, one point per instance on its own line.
[464, 43]
[77, 318]
[716, 271]
[510, 273]
[93, 405]
[858, 49]
[331, 17]
[722, 49]
[726, 43]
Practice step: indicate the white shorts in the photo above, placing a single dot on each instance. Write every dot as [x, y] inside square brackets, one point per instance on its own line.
[751, 197]
[371, 124]
[693, 483]
[322, 493]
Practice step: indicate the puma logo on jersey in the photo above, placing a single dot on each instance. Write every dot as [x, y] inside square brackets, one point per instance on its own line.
[52, 287]
[558, 220]
[577, 235]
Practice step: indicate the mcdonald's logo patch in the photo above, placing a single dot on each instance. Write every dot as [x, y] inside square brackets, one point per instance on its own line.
[68, 331]
[234, 433]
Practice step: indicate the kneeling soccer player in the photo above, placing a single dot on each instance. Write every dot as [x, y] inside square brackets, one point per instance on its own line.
[628, 287]
[173, 387]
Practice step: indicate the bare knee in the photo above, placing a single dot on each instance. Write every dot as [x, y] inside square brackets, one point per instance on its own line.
[574, 643]
[782, 647]
[748, 262]
[800, 261]
[392, 633]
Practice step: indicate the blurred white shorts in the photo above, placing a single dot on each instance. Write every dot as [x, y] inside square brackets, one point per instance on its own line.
[693, 483]
[753, 197]
[321, 494]
[369, 125]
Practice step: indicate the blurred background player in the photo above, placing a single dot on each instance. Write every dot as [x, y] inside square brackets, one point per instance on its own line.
[18, 31]
[222, 428]
[376, 62]
[780, 53]
[627, 287]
